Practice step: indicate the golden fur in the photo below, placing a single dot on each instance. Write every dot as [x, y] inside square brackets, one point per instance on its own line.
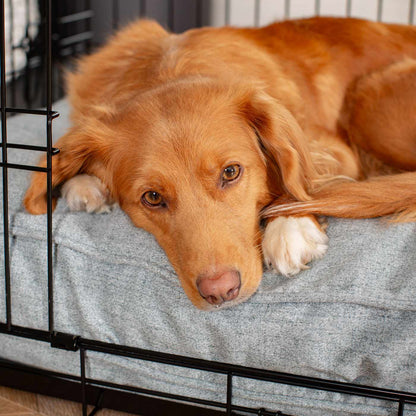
[319, 114]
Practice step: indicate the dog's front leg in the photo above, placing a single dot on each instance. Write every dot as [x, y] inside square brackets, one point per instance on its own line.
[290, 243]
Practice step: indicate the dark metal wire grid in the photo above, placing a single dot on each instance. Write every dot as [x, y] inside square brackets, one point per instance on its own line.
[82, 345]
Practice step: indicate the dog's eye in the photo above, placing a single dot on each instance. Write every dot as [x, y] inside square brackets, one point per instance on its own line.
[152, 199]
[231, 173]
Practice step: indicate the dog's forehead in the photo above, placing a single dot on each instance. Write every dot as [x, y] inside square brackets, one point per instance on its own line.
[192, 131]
[195, 146]
[193, 126]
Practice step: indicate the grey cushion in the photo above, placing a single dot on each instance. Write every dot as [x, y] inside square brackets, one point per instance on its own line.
[350, 317]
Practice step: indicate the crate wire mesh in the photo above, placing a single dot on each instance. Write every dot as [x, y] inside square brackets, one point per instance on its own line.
[57, 41]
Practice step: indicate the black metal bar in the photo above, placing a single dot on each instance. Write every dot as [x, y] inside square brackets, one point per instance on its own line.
[25, 147]
[198, 13]
[176, 397]
[68, 387]
[104, 394]
[150, 406]
[48, 83]
[78, 38]
[411, 11]
[142, 6]
[98, 405]
[224, 368]
[95, 411]
[88, 24]
[400, 411]
[115, 14]
[48, 48]
[246, 372]
[24, 368]
[229, 393]
[75, 17]
[27, 15]
[12, 64]
[83, 383]
[259, 412]
[6, 248]
[49, 188]
[29, 64]
[34, 112]
[147, 392]
[23, 332]
[31, 147]
[24, 167]
[171, 15]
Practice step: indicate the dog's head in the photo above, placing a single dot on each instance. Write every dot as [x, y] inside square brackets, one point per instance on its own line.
[194, 162]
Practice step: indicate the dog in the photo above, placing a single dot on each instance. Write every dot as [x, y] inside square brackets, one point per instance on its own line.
[228, 143]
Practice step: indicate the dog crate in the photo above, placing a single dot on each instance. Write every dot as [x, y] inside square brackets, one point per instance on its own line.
[39, 40]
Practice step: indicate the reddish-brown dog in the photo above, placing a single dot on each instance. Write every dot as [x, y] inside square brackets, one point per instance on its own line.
[198, 135]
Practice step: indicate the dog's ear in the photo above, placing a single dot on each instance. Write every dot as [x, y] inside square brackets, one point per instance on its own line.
[282, 142]
[77, 150]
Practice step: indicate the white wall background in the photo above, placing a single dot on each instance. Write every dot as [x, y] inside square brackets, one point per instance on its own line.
[243, 12]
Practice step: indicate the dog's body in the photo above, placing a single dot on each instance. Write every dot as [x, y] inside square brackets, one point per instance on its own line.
[195, 134]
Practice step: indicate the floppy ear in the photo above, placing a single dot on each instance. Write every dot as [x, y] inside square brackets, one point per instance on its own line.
[76, 150]
[283, 143]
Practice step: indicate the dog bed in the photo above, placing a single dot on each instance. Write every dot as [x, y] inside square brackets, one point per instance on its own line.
[351, 317]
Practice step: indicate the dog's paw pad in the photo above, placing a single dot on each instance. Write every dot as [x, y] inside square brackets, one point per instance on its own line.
[290, 243]
[87, 193]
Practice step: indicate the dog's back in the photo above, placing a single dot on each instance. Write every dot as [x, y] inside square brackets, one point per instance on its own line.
[307, 64]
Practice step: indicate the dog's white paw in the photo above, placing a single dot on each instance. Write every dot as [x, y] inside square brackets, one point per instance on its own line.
[289, 243]
[87, 193]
